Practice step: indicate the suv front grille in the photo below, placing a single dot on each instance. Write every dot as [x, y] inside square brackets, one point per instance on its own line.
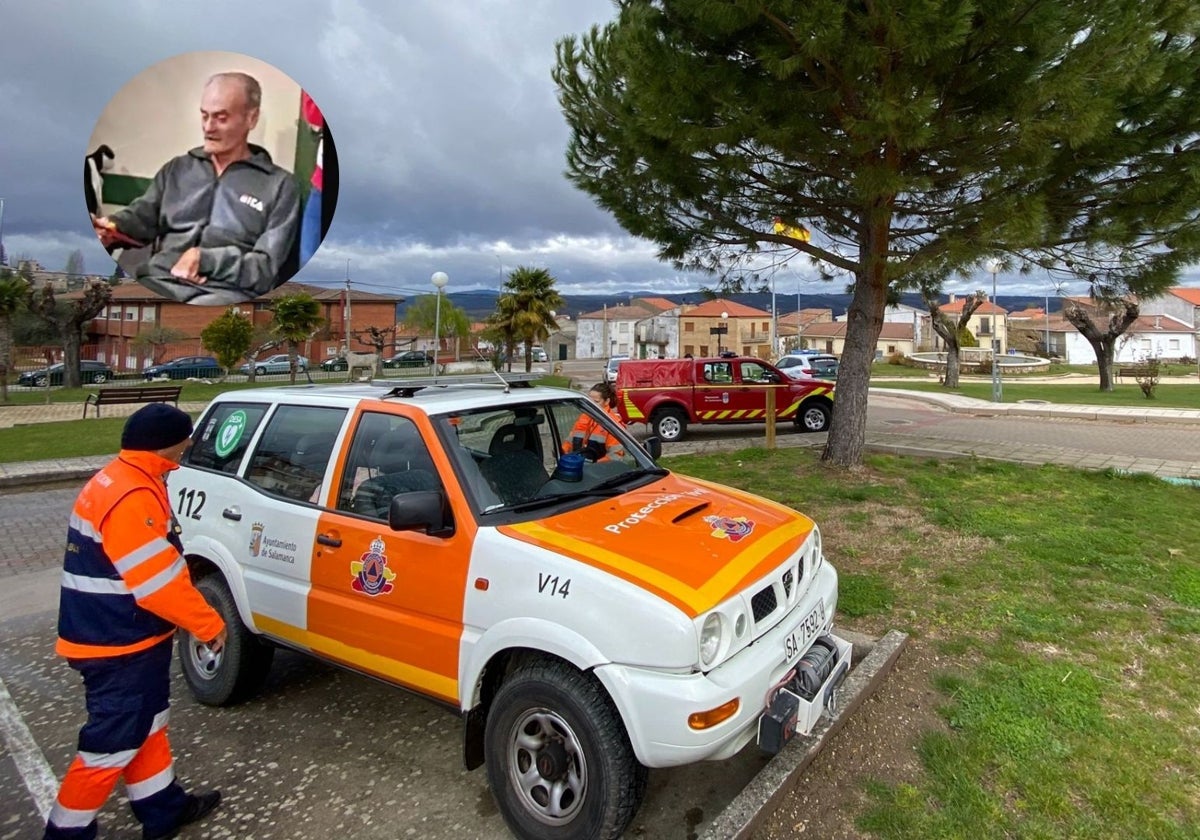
[787, 583]
[763, 603]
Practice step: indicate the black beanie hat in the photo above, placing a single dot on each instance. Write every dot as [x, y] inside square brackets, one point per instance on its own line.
[157, 426]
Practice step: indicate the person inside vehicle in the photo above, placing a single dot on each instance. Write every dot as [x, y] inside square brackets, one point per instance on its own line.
[589, 436]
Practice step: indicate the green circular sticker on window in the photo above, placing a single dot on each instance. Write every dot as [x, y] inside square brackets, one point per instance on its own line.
[230, 433]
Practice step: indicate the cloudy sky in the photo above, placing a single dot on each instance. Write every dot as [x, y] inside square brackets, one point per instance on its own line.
[449, 134]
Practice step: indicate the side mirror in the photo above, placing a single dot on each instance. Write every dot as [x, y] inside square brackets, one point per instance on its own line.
[421, 510]
[653, 445]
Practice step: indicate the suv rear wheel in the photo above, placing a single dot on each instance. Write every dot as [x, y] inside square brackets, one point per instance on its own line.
[239, 669]
[559, 761]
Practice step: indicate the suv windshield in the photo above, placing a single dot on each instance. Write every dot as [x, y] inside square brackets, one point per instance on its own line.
[541, 455]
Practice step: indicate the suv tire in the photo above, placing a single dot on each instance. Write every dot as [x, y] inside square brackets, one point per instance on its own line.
[670, 424]
[550, 720]
[240, 669]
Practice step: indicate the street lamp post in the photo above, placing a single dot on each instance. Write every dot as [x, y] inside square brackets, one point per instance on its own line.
[720, 330]
[994, 266]
[439, 280]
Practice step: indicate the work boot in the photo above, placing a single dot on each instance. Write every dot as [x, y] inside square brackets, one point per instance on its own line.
[197, 808]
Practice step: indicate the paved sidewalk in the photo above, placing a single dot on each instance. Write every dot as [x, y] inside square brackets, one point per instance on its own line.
[27, 473]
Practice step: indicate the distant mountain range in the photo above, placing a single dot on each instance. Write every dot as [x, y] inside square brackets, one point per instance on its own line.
[478, 305]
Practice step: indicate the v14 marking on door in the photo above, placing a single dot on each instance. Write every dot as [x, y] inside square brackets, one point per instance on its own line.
[551, 582]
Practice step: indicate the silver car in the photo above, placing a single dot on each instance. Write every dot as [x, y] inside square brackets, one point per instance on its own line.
[276, 364]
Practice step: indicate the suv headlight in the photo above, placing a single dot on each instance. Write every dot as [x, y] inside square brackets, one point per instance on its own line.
[710, 640]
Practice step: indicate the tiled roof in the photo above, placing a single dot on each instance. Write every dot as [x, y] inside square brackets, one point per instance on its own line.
[805, 316]
[894, 330]
[1191, 295]
[658, 303]
[714, 308]
[1158, 323]
[986, 308]
[622, 312]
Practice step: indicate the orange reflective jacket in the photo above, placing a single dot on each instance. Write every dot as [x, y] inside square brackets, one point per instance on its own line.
[125, 584]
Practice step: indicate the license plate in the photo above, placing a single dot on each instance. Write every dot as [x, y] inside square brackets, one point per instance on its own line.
[798, 640]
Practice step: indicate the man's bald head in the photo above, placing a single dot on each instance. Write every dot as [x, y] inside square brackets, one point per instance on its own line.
[250, 86]
[228, 113]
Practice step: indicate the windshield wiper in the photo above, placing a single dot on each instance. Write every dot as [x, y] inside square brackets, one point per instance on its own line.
[618, 480]
[609, 487]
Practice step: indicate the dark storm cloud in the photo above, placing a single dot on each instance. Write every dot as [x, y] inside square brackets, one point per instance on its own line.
[449, 135]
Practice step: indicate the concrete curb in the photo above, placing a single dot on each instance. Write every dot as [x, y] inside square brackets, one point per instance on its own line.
[773, 783]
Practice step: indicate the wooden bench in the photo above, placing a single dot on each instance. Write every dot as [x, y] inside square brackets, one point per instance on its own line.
[139, 394]
[1132, 370]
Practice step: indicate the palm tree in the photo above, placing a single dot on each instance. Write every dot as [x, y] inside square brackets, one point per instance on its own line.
[533, 300]
[501, 326]
[13, 291]
[297, 318]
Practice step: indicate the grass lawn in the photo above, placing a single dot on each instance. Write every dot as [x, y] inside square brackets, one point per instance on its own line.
[1065, 609]
[1165, 396]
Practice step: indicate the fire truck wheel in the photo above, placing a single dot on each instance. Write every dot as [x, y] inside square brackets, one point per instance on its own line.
[559, 761]
[239, 669]
[670, 424]
[813, 418]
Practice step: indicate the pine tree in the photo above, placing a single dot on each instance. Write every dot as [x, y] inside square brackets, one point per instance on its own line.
[907, 135]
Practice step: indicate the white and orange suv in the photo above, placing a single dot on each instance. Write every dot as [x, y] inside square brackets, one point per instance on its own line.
[590, 619]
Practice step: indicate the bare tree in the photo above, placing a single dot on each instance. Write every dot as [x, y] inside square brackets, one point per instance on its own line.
[949, 329]
[380, 338]
[69, 319]
[1103, 323]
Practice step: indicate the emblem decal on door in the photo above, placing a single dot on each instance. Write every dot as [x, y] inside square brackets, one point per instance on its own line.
[256, 532]
[370, 571]
[730, 528]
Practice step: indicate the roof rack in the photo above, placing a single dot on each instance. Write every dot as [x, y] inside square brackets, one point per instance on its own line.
[408, 387]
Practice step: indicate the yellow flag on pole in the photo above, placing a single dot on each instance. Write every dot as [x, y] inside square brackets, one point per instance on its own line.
[794, 231]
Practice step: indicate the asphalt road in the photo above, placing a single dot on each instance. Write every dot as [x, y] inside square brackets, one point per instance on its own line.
[324, 752]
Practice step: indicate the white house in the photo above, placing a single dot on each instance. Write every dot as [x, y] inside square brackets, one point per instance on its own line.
[1179, 302]
[612, 330]
[1160, 336]
[902, 313]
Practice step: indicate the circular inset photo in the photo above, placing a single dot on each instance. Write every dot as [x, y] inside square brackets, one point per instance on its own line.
[211, 178]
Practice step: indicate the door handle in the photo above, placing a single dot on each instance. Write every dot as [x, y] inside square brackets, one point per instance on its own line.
[325, 539]
[232, 513]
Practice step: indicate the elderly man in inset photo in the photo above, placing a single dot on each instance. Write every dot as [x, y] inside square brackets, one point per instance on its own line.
[222, 219]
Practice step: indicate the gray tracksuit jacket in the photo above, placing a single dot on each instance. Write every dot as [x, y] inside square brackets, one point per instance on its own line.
[245, 223]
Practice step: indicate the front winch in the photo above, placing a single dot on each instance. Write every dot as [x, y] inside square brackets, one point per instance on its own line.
[780, 719]
[814, 667]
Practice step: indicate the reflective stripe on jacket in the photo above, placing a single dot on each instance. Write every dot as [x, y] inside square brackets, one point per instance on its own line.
[125, 584]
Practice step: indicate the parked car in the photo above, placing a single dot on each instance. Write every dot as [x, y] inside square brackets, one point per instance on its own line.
[809, 366]
[363, 526]
[275, 364]
[614, 364]
[409, 358]
[336, 363]
[186, 367]
[92, 372]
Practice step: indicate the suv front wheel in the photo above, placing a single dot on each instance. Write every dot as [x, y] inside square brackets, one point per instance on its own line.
[559, 761]
[239, 669]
